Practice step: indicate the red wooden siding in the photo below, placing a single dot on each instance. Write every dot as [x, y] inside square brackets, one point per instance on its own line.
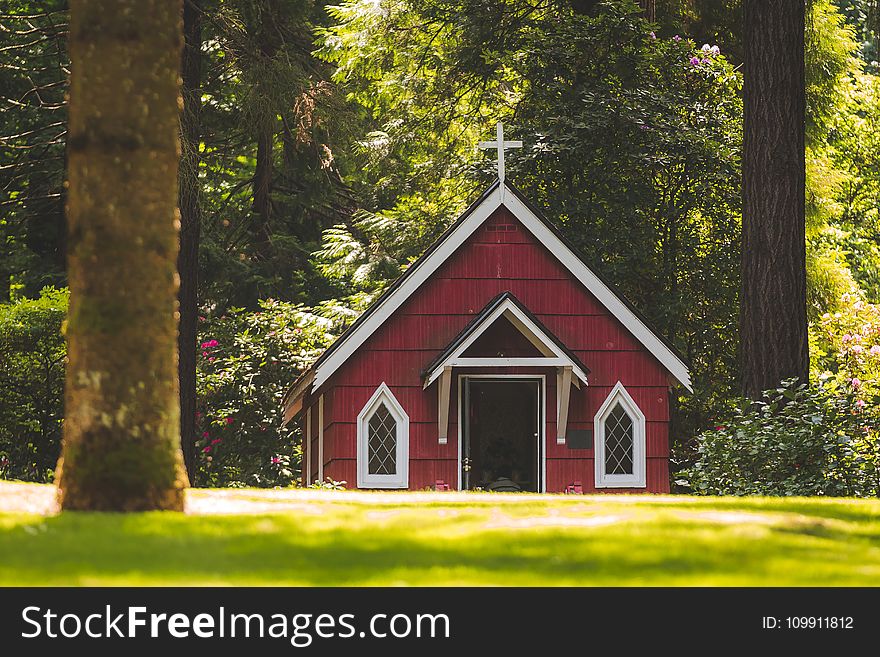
[501, 256]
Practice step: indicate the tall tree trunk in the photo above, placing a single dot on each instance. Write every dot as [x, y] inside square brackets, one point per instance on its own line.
[262, 190]
[269, 42]
[773, 316]
[190, 226]
[121, 446]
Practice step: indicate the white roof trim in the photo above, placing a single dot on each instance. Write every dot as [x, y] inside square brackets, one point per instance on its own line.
[524, 325]
[601, 291]
[544, 235]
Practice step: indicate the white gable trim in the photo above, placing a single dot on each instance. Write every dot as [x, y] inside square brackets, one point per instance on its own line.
[601, 291]
[553, 355]
[545, 236]
[409, 285]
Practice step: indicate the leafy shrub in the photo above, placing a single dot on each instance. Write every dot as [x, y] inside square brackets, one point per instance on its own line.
[247, 361]
[32, 355]
[797, 440]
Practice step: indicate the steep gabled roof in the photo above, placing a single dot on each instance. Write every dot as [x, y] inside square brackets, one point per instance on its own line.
[506, 304]
[445, 246]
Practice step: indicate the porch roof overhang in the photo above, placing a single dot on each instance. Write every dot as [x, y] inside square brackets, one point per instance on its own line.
[553, 352]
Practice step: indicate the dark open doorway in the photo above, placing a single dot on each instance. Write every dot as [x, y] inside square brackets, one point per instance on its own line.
[501, 449]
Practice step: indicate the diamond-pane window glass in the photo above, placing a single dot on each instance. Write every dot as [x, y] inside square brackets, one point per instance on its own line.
[621, 443]
[382, 443]
[618, 442]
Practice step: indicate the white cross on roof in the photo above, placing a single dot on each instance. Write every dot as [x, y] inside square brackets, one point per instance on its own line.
[500, 144]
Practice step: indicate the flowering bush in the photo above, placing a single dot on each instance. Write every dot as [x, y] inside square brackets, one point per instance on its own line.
[247, 362]
[845, 345]
[795, 441]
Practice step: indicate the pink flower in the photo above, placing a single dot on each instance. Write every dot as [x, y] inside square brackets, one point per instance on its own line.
[198, 415]
[205, 434]
[695, 61]
[857, 349]
[206, 449]
[229, 420]
[216, 440]
[856, 383]
[719, 428]
[676, 38]
[875, 350]
[204, 354]
[860, 403]
[276, 460]
[846, 337]
[652, 35]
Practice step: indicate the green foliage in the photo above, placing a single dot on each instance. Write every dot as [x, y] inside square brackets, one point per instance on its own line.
[261, 81]
[795, 441]
[248, 361]
[329, 484]
[34, 68]
[32, 355]
[830, 52]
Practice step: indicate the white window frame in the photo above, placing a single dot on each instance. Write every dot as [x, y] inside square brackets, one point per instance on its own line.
[620, 395]
[382, 395]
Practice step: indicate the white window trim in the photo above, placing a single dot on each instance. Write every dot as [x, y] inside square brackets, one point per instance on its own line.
[542, 438]
[637, 479]
[384, 395]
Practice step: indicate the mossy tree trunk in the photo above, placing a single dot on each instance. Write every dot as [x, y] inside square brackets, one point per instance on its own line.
[121, 446]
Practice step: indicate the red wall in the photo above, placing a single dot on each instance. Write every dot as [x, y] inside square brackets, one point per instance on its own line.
[489, 263]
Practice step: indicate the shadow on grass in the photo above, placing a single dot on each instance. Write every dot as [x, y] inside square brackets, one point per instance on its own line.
[420, 547]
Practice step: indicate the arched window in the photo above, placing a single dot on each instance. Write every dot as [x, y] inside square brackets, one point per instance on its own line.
[620, 442]
[383, 442]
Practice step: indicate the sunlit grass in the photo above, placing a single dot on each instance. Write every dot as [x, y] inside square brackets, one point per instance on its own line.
[478, 539]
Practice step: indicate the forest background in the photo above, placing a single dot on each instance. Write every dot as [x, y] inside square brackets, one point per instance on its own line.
[325, 146]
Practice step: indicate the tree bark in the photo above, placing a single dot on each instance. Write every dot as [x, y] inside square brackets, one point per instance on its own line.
[190, 227]
[262, 192]
[773, 316]
[121, 448]
[269, 38]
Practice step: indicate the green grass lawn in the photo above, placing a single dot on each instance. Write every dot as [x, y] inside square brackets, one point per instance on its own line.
[253, 537]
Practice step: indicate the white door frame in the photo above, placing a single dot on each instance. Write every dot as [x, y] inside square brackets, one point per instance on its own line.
[542, 419]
